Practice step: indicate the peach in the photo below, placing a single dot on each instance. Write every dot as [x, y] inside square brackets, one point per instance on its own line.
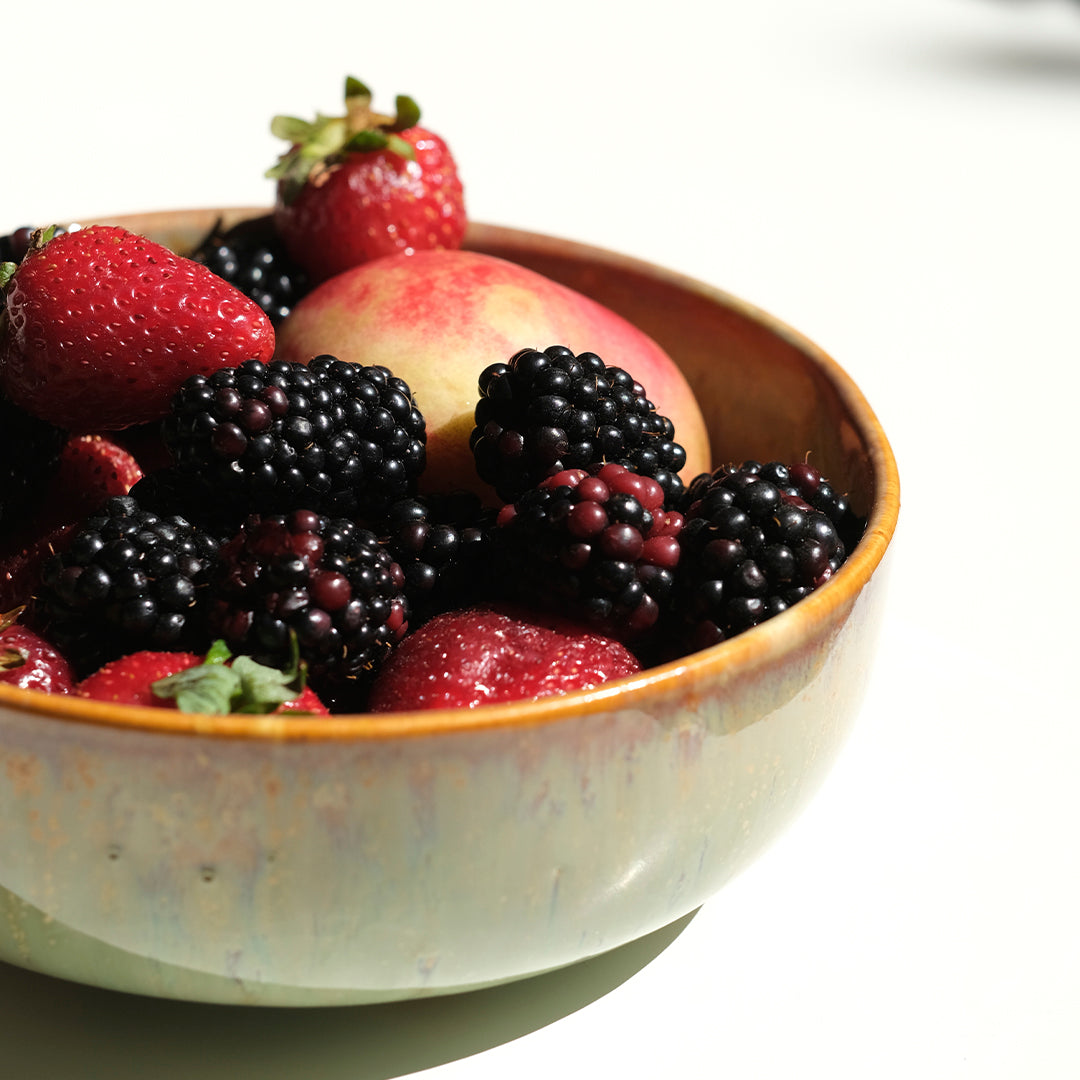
[438, 318]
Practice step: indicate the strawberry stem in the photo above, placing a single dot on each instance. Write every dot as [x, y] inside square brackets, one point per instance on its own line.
[242, 686]
[38, 239]
[10, 659]
[318, 144]
[9, 618]
[408, 113]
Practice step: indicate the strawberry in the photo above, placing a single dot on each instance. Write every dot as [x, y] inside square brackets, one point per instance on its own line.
[27, 660]
[354, 188]
[101, 326]
[216, 683]
[91, 469]
[481, 655]
[306, 702]
[128, 680]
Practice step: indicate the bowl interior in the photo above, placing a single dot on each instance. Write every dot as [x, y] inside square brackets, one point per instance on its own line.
[766, 392]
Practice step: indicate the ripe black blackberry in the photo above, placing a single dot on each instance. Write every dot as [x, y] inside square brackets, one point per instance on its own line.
[168, 492]
[325, 580]
[542, 412]
[251, 256]
[327, 436]
[753, 545]
[128, 580]
[29, 457]
[804, 481]
[801, 480]
[443, 544]
[597, 545]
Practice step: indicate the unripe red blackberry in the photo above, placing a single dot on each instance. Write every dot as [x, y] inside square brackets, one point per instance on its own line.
[753, 544]
[596, 544]
[542, 412]
[326, 581]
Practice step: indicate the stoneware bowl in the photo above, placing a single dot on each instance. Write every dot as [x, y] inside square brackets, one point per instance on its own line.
[311, 861]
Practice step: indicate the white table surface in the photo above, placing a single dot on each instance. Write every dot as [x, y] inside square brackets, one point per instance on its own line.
[900, 181]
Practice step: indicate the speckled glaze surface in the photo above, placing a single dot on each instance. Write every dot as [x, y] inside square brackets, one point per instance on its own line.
[301, 861]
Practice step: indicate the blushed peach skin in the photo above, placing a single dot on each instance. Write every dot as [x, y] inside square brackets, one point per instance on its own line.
[438, 318]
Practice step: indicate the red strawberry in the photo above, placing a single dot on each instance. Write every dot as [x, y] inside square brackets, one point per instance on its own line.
[128, 680]
[29, 661]
[103, 325]
[215, 683]
[462, 659]
[307, 702]
[357, 187]
[91, 469]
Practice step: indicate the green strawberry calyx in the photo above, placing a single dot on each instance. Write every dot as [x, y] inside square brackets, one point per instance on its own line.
[240, 686]
[39, 239]
[11, 658]
[322, 142]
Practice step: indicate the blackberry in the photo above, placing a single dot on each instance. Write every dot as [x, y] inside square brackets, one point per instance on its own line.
[753, 545]
[29, 457]
[327, 436]
[806, 482]
[128, 580]
[543, 412]
[251, 256]
[597, 544]
[801, 481]
[443, 544]
[167, 492]
[324, 580]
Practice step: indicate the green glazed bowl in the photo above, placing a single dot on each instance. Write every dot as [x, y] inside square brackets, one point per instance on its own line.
[308, 861]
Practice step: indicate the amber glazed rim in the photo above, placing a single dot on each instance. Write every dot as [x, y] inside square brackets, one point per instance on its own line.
[729, 660]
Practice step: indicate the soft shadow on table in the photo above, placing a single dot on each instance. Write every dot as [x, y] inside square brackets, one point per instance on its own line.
[1042, 62]
[55, 1030]
[1035, 59]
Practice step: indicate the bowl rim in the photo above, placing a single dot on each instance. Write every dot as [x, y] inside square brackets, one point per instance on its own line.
[726, 660]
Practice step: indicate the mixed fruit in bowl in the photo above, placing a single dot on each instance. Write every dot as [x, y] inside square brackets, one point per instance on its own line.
[329, 462]
[285, 495]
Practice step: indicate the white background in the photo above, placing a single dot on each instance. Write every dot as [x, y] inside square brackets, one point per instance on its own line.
[900, 181]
